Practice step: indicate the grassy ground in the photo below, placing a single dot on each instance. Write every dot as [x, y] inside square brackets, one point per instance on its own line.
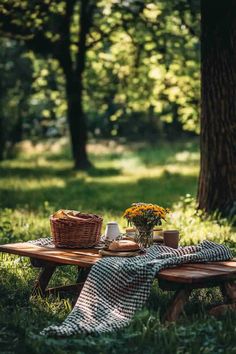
[41, 180]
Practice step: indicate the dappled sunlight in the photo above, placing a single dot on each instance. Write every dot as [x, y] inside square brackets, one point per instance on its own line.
[187, 156]
[112, 179]
[31, 183]
[145, 174]
[35, 165]
[130, 163]
[183, 170]
[106, 148]
[27, 147]
[194, 227]
[32, 191]
[34, 188]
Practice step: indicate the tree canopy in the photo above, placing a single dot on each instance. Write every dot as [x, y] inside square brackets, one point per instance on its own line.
[139, 59]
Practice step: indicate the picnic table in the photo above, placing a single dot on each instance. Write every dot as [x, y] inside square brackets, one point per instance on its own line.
[181, 279]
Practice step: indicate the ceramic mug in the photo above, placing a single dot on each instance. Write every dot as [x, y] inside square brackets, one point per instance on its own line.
[130, 232]
[171, 238]
[112, 231]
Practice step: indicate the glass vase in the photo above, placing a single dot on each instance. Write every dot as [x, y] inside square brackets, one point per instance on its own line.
[144, 236]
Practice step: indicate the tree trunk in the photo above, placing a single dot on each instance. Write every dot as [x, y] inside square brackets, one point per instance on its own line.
[77, 124]
[74, 83]
[217, 181]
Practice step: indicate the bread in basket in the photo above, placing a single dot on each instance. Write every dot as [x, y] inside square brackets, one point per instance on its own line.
[72, 229]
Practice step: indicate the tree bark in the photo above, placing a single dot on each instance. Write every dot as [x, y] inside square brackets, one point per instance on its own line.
[77, 124]
[217, 181]
[60, 50]
[74, 83]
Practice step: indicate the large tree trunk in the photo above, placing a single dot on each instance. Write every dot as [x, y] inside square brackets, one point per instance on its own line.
[217, 181]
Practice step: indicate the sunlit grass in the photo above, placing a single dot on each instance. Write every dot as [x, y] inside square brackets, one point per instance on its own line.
[147, 170]
[35, 185]
[42, 180]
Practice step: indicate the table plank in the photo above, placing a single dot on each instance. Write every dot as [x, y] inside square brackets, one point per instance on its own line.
[231, 263]
[217, 267]
[187, 274]
[80, 257]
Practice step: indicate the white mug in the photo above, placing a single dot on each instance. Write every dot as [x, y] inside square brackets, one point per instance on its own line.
[112, 231]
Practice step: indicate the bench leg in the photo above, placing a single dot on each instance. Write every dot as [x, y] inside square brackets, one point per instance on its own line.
[43, 280]
[228, 290]
[177, 304]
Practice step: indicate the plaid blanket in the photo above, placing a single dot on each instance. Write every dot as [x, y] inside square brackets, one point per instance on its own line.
[117, 287]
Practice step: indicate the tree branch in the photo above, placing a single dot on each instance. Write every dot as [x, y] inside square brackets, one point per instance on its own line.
[13, 26]
[103, 35]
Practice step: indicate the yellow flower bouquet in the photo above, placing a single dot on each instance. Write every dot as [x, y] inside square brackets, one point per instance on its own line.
[144, 217]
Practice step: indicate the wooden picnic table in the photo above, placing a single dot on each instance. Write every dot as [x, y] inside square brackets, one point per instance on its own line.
[182, 279]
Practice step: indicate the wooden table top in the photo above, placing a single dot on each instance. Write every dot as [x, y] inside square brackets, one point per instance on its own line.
[185, 273]
[80, 257]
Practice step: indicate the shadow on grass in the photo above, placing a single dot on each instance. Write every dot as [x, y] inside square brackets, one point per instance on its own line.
[35, 172]
[103, 172]
[98, 195]
[40, 172]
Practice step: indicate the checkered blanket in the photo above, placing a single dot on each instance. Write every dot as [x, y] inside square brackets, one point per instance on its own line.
[117, 287]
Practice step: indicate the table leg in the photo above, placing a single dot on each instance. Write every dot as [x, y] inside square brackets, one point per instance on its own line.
[177, 304]
[73, 288]
[82, 274]
[228, 290]
[47, 270]
[43, 280]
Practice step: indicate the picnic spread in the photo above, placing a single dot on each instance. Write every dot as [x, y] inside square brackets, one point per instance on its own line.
[117, 287]
[121, 270]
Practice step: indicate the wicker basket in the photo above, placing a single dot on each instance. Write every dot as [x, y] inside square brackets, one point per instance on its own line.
[80, 232]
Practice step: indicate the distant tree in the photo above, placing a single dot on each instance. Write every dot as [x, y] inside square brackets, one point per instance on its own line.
[63, 30]
[15, 88]
[217, 182]
[46, 28]
[118, 58]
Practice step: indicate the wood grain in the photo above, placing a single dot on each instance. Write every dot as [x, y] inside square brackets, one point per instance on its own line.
[189, 274]
[81, 257]
[186, 273]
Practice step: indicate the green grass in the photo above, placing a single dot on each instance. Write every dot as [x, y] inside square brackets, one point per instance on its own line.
[41, 181]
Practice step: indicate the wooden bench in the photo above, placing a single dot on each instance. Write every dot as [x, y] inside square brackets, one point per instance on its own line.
[181, 279]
